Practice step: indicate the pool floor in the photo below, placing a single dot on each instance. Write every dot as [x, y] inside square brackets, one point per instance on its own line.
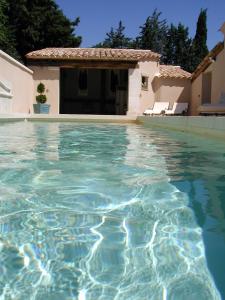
[102, 211]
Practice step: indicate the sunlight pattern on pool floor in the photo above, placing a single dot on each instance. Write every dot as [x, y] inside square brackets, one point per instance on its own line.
[88, 212]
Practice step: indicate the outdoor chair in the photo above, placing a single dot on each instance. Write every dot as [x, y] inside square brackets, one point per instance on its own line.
[178, 109]
[159, 108]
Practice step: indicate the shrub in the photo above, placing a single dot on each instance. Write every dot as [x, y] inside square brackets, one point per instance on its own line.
[41, 88]
[41, 98]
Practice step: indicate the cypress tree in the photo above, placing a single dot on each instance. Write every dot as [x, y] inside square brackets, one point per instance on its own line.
[199, 46]
[39, 24]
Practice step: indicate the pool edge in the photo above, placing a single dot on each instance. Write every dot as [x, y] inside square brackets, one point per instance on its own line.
[213, 127]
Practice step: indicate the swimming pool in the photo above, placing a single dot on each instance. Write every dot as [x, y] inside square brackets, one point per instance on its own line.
[102, 211]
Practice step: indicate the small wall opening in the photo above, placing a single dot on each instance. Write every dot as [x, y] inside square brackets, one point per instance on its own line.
[206, 87]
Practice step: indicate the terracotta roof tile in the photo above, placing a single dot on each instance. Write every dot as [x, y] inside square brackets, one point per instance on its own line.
[172, 72]
[93, 54]
[207, 60]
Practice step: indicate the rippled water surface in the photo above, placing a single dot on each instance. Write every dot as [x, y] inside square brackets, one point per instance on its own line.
[101, 212]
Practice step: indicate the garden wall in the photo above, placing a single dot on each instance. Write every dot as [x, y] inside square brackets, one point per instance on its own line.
[16, 86]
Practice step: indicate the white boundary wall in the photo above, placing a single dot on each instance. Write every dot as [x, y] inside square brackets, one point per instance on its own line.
[16, 86]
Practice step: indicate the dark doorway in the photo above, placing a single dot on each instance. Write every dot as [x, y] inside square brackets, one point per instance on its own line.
[93, 91]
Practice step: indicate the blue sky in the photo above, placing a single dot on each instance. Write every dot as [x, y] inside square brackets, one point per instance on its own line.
[97, 17]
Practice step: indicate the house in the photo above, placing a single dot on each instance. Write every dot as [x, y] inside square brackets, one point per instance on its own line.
[106, 81]
[208, 82]
[110, 81]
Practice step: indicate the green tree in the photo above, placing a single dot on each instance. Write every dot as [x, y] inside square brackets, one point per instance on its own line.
[170, 46]
[177, 48]
[39, 24]
[153, 33]
[199, 46]
[7, 40]
[116, 38]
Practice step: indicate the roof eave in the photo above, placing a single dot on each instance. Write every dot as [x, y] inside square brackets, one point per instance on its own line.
[33, 58]
[101, 54]
[173, 77]
[207, 61]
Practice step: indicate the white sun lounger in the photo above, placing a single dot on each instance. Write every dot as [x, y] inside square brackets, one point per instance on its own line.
[158, 108]
[178, 109]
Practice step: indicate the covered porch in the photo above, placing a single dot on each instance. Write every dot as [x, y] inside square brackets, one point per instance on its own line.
[93, 91]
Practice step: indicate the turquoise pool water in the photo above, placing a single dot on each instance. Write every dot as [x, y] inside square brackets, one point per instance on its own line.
[101, 212]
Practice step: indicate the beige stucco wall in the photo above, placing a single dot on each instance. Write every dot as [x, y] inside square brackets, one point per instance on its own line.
[217, 68]
[49, 76]
[196, 95]
[19, 80]
[172, 90]
[218, 77]
[139, 100]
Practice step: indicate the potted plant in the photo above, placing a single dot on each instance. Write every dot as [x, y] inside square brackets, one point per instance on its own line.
[41, 107]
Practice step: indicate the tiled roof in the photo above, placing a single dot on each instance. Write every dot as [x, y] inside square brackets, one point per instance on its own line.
[207, 60]
[172, 72]
[93, 54]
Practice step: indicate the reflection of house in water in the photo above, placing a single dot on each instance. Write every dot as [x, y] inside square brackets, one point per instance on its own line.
[14, 146]
[46, 141]
[142, 142]
[89, 151]
[98, 141]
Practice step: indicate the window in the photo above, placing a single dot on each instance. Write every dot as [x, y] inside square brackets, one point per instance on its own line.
[144, 83]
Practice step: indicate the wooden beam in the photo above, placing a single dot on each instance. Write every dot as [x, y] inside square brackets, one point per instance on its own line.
[85, 64]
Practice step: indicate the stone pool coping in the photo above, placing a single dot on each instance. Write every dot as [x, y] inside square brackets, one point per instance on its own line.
[69, 118]
[213, 126]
